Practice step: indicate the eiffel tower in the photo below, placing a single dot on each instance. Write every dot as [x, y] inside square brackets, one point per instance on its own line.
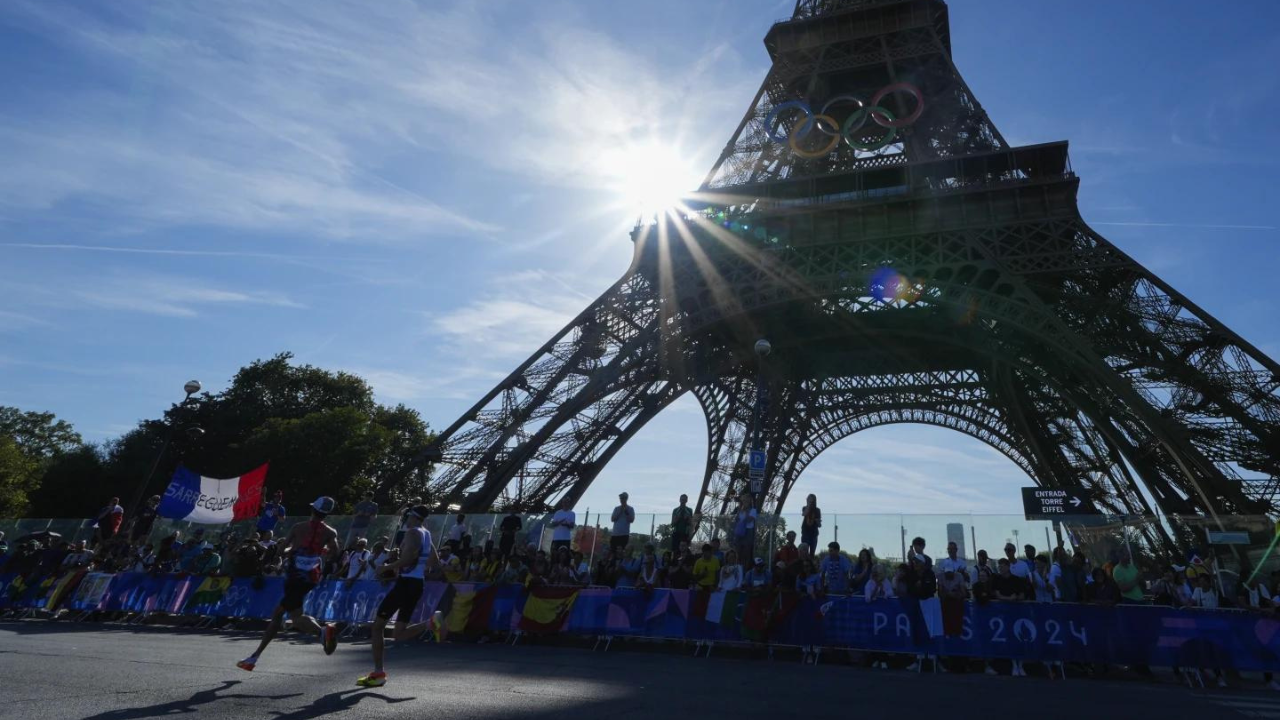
[907, 266]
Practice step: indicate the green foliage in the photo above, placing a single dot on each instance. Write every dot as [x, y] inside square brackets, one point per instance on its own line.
[18, 476]
[321, 432]
[39, 435]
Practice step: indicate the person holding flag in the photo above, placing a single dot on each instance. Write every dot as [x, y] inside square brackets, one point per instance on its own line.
[416, 555]
[303, 549]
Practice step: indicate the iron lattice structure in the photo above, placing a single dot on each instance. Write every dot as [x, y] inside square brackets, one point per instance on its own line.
[945, 278]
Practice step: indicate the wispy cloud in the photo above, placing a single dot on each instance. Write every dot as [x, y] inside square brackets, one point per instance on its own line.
[17, 321]
[151, 294]
[516, 316]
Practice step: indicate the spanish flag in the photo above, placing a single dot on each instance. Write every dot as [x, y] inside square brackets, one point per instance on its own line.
[471, 608]
[547, 608]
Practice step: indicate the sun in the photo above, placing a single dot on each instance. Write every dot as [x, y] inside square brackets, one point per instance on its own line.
[652, 177]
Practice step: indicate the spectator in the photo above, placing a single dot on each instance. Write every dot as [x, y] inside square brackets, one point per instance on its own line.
[366, 511]
[451, 569]
[983, 562]
[1006, 586]
[706, 571]
[681, 523]
[628, 569]
[835, 569]
[1164, 591]
[581, 570]
[681, 576]
[810, 580]
[272, 513]
[861, 572]
[79, 557]
[562, 524]
[952, 563]
[786, 562]
[511, 571]
[169, 555]
[917, 548]
[744, 526]
[607, 569]
[1029, 558]
[1253, 593]
[247, 559]
[404, 520]
[491, 568]
[981, 590]
[144, 558]
[511, 524]
[758, 578]
[4, 545]
[456, 533]
[1064, 577]
[140, 526]
[208, 562]
[1041, 582]
[878, 588]
[1204, 596]
[1128, 579]
[1016, 568]
[108, 521]
[623, 516]
[648, 577]
[811, 520]
[730, 573]
[715, 549]
[1103, 590]
[356, 561]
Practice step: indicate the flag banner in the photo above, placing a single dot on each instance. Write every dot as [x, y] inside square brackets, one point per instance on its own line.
[212, 501]
[1127, 635]
[547, 608]
[207, 596]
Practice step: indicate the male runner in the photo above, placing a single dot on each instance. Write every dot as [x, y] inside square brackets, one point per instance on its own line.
[303, 550]
[416, 553]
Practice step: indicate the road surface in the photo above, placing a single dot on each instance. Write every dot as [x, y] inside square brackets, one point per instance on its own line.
[63, 670]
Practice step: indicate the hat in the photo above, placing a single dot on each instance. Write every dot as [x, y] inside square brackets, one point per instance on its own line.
[759, 561]
[323, 505]
[420, 511]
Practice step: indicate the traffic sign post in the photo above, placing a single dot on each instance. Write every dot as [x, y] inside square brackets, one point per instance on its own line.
[1049, 504]
[755, 470]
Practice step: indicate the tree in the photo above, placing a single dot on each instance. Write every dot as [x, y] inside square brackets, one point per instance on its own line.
[18, 475]
[40, 435]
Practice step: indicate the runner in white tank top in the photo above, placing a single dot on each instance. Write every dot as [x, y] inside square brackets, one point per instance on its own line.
[416, 555]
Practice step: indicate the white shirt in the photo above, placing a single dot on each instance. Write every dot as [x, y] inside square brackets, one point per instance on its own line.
[886, 589]
[375, 562]
[1257, 595]
[731, 578]
[456, 532]
[1204, 598]
[946, 564]
[1055, 577]
[562, 525]
[1043, 592]
[623, 516]
[356, 560]
[1018, 568]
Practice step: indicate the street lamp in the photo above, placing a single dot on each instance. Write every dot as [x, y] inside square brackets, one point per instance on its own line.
[191, 388]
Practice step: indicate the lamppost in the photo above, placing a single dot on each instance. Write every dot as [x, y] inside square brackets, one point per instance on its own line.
[191, 387]
[756, 473]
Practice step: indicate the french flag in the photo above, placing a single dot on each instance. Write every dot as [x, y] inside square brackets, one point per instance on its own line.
[213, 501]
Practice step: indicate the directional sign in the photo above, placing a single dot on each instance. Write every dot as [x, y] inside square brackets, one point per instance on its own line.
[1044, 503]
[1228, 537]
[757, 463]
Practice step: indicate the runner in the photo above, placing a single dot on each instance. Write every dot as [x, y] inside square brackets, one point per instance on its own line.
[416, 554]
[303, 551]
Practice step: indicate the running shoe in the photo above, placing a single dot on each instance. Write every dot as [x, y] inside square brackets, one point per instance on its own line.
[329, 634]
[247, 663]
[372, 680]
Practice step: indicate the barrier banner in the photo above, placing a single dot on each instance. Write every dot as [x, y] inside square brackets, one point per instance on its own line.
[1127, 634]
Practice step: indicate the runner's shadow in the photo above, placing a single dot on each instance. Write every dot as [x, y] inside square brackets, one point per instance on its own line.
[182, 707]
[340, 701]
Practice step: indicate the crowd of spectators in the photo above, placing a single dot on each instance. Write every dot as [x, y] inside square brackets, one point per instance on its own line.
[733, 563]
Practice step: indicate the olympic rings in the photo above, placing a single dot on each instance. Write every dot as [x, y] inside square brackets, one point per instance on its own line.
[880, 115]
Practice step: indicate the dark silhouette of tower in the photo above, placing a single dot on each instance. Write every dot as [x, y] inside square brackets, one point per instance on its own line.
[908, 266]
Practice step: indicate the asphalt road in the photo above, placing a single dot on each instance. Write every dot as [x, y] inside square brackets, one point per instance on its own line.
[58, 670]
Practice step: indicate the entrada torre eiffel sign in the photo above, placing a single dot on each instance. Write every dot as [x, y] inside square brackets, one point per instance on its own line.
[908, 266]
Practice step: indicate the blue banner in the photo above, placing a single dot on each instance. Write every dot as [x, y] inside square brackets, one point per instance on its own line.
[1048, 632]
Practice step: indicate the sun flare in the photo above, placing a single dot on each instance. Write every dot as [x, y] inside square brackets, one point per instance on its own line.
[653, 177]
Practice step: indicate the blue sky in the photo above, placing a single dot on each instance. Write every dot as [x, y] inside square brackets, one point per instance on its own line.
[424, 193]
